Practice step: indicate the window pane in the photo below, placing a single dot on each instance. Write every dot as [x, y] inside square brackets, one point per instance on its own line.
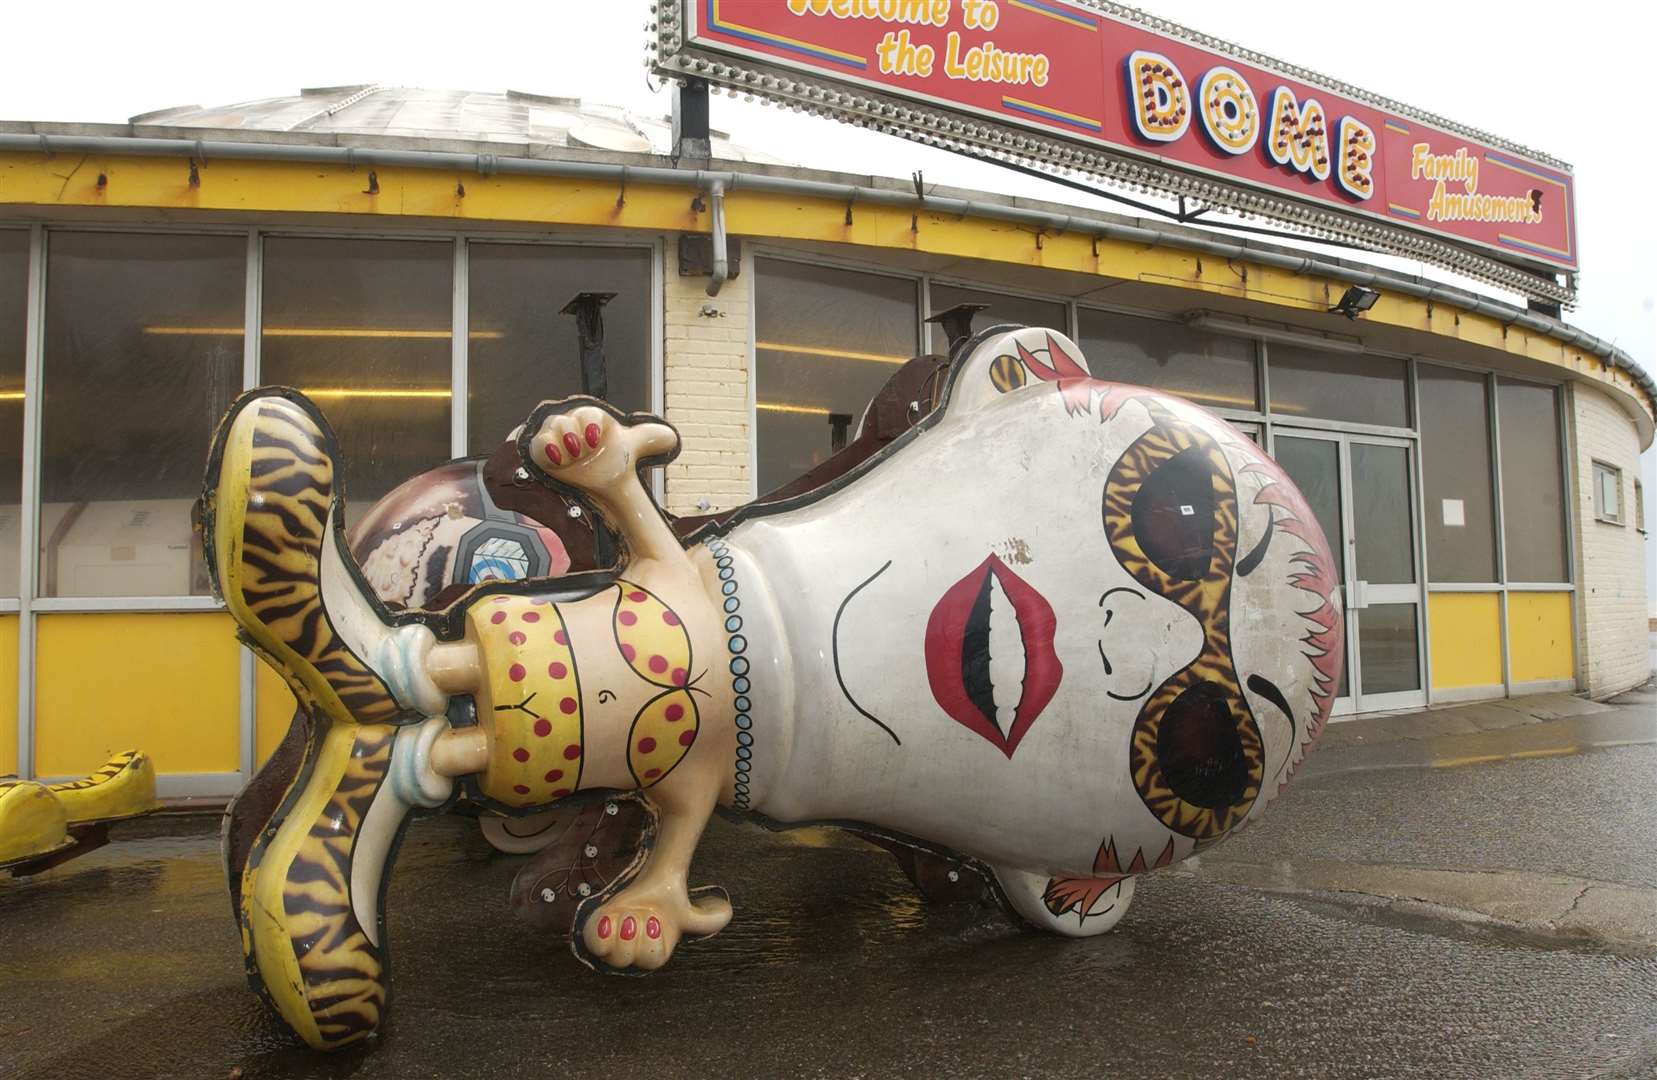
[1455, 467]
[522, 350]
[14, 299]
[1002, 309]
[362, 326]
[1207, 368]
[1338, 386]
[1533, 503]
[825, 341]
[1382, 521]
[1387, 652]
[1608, 492]
[143, 355]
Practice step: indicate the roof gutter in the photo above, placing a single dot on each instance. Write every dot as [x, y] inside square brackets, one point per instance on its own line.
[717, 183]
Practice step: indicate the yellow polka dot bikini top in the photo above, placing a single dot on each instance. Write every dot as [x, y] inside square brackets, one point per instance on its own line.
[534, 681]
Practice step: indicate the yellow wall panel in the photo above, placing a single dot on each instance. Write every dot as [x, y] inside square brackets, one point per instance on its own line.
[273, 710]
[34, 179]
[8, 694]
[163, 683]
[1465, 639]
[1540, 643]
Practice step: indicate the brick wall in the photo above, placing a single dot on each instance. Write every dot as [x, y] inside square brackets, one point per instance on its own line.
[1611, 612]
[705, 390]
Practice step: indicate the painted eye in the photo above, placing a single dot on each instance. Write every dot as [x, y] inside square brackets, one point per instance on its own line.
[1201, 749]
[1173, 516]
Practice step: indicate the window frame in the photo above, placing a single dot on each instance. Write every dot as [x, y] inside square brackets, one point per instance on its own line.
[1492, 434]
[34, 329]
[36, 380]
[1601, 471]
[253, 231]
[1237, 413]
[927, 281]
[918, 283]
[751, 258]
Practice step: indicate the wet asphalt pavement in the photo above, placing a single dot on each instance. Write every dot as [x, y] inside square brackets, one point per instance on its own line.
[125, 963]
[1593, 815]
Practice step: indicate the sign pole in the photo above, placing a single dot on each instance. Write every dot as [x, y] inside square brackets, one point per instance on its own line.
[691, 138]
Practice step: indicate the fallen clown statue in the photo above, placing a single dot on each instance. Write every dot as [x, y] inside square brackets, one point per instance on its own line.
[1062, 629]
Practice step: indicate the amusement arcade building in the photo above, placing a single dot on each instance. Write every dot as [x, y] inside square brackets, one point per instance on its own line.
[403, 256]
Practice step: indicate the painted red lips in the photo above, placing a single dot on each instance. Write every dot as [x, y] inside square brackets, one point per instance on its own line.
[989, 654]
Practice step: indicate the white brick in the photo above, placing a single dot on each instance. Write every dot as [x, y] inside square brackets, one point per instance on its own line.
[1611, 606]
[705, 388]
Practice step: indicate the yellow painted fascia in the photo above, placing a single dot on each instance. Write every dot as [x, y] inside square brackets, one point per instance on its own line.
[270, 187]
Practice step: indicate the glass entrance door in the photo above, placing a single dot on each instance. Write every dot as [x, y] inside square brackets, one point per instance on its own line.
[1362, 489]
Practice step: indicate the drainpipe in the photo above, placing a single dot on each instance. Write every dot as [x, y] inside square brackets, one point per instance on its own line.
[721, 261]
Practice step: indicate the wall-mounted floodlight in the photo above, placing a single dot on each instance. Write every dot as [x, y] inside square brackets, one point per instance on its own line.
[1355, 301]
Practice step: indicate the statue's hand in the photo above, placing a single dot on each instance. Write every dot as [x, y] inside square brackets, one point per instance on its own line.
[590, 449]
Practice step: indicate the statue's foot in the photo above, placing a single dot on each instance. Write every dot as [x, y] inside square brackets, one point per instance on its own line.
[639, 928]
[279, 561]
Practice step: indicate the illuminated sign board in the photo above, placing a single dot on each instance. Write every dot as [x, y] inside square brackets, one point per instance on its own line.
[1111, 92]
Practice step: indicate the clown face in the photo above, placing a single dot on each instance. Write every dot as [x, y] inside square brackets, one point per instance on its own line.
[1072, 627]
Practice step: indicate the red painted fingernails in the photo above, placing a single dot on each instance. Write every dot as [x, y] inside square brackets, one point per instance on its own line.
[629, 927]
[653, 927]
[553, 456]
[592, 435]
[572, 444]
[604, 926]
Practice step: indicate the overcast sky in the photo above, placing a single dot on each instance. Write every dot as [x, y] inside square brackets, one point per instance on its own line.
[1574, 81]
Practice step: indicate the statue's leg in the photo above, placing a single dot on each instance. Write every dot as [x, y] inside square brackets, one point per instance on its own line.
[277, 552]
[1072, 906]
[637, 927]
[312, 891]
[592, 845]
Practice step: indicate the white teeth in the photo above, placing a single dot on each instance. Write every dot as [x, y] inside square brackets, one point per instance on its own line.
[1006, 657]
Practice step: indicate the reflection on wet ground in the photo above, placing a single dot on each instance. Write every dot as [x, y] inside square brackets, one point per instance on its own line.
[125, 963]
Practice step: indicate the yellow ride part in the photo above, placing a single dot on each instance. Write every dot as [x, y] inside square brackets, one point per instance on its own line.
[37, 820]
[32, 823]
[123, 788]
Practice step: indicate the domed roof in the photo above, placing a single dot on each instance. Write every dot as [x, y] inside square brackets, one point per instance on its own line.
[512, 118]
